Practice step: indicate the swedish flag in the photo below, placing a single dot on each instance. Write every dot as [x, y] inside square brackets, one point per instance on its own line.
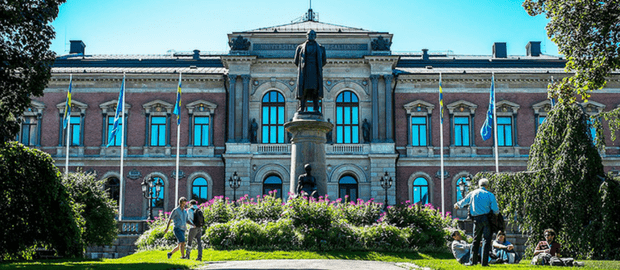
[67, 114]
[177, 105]
[440, 100]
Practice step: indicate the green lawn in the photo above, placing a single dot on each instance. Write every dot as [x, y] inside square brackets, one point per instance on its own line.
[158, 260]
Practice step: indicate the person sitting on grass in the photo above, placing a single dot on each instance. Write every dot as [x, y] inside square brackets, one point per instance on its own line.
[179, 215]
[460, 248]
[504, 250]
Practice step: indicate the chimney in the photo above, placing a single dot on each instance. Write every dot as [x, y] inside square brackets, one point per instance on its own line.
[499, 50]
[533, 48]
[196, 55]
[77, 46]
[424, 54]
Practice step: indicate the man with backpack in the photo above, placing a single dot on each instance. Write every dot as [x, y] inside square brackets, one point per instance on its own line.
[196, 219]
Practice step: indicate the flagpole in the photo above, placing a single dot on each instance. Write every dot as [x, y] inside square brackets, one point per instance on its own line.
[68, 130]
[176, 198]
[495, 124]
[120, 205]
[443, 201]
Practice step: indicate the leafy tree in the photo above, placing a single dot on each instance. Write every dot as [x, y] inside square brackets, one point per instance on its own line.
[588, 34]
[98, 210]
[36, 208]
[562, 188]
[25, 58]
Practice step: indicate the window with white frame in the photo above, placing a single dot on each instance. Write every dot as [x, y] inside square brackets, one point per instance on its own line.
[419, 113]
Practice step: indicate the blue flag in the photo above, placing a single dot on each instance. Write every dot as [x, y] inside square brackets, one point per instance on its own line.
[177, 105]
[440, 101]
[487, 128]
[68, 104]
[117, 116]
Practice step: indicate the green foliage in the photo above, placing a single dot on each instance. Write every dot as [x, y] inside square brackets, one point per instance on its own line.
[560, 190]
[586, 32]
[36, 208]
[267, 224]
[97, 209]
[25, 59]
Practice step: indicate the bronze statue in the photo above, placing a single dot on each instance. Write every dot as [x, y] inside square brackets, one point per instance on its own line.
[366, 130]
[310, 59]
[307, 183]
[253, 131]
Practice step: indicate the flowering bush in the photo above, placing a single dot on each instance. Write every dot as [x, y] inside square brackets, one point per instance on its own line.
[266, 223]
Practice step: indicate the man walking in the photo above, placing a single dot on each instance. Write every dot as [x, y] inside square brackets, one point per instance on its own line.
[179, 215]
[481, 202]
[195, 219]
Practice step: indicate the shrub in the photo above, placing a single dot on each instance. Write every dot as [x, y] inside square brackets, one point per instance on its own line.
[36, 208]
[154, 237]
[361, 213]
[98, 209]
[384, 237]
[217, 210]
[267, 208]
[307, 214]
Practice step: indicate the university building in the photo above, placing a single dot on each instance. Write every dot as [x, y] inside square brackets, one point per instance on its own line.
[384, 106]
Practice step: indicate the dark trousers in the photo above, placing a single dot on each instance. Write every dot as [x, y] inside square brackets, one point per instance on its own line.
[482, 232]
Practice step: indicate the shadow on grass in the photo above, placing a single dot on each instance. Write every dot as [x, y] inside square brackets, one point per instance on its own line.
[88, 265]
[371, 255]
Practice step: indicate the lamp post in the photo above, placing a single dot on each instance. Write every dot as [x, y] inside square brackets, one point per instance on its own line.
[464, 186]
[386, 183]
[234, 182]
[147, 192]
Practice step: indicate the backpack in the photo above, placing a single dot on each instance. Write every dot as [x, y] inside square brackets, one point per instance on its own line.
[199, 218]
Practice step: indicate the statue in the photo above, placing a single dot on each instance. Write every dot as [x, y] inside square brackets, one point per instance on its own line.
[310, 59]
[366, 130]
[253, 130]
[307, 183]
[381, 44]
[239, 44]
[329, 135]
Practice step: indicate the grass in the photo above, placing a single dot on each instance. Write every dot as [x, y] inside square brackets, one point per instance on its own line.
[155, 259]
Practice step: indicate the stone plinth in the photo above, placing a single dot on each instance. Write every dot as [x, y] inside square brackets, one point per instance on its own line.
[308, 147]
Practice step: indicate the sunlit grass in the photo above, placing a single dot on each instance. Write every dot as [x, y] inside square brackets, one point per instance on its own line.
[157, 259]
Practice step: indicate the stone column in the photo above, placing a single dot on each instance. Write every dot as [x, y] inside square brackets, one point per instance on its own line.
[308, 147]
[231, 108]
[388, 107]
[246, 107]
[375, 107]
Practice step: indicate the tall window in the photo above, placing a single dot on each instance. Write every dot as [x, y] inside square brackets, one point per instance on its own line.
[418, 131]
[347, 118]
[117, 138]
[461, 131]
[75, 128]
[273, 182]
[273, 118]
[504, 131]
[347, 186]
[28, 134]
[200, 190]
[159, 201]
[201, 131]
[158, 131]
[420, 190]
[112, 187]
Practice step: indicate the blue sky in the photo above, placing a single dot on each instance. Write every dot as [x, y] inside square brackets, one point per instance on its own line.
[156, 26]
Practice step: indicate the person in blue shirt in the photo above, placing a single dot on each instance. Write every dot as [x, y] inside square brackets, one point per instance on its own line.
[481, 202]
[179, 216]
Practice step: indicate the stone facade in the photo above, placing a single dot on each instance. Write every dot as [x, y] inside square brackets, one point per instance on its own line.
[232, 89]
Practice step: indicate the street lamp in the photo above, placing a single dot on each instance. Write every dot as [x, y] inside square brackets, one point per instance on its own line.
[464, 185]
[147, 192]
[386, 183]
[234, 182]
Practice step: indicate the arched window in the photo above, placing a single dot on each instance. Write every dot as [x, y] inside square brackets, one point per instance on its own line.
[461, 188]
[112, 187]
[347, 186]
[347, 118]
[420, 190]
[200, 189]
[159, 201]
[273, 118]
[273, 182]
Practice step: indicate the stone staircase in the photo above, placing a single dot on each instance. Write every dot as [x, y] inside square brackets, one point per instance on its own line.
[123, 245]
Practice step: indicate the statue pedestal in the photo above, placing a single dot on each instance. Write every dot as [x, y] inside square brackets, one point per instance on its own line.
[308, 147]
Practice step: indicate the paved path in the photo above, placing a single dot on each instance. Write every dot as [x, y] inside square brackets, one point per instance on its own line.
[308, 265]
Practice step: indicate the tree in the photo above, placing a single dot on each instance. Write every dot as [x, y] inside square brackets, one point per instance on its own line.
[25, 58]
[98, 210]
[36, 208]
[588, 34]
[562, 188]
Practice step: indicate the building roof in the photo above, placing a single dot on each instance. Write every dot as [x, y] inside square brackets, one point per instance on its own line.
[305, 26]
